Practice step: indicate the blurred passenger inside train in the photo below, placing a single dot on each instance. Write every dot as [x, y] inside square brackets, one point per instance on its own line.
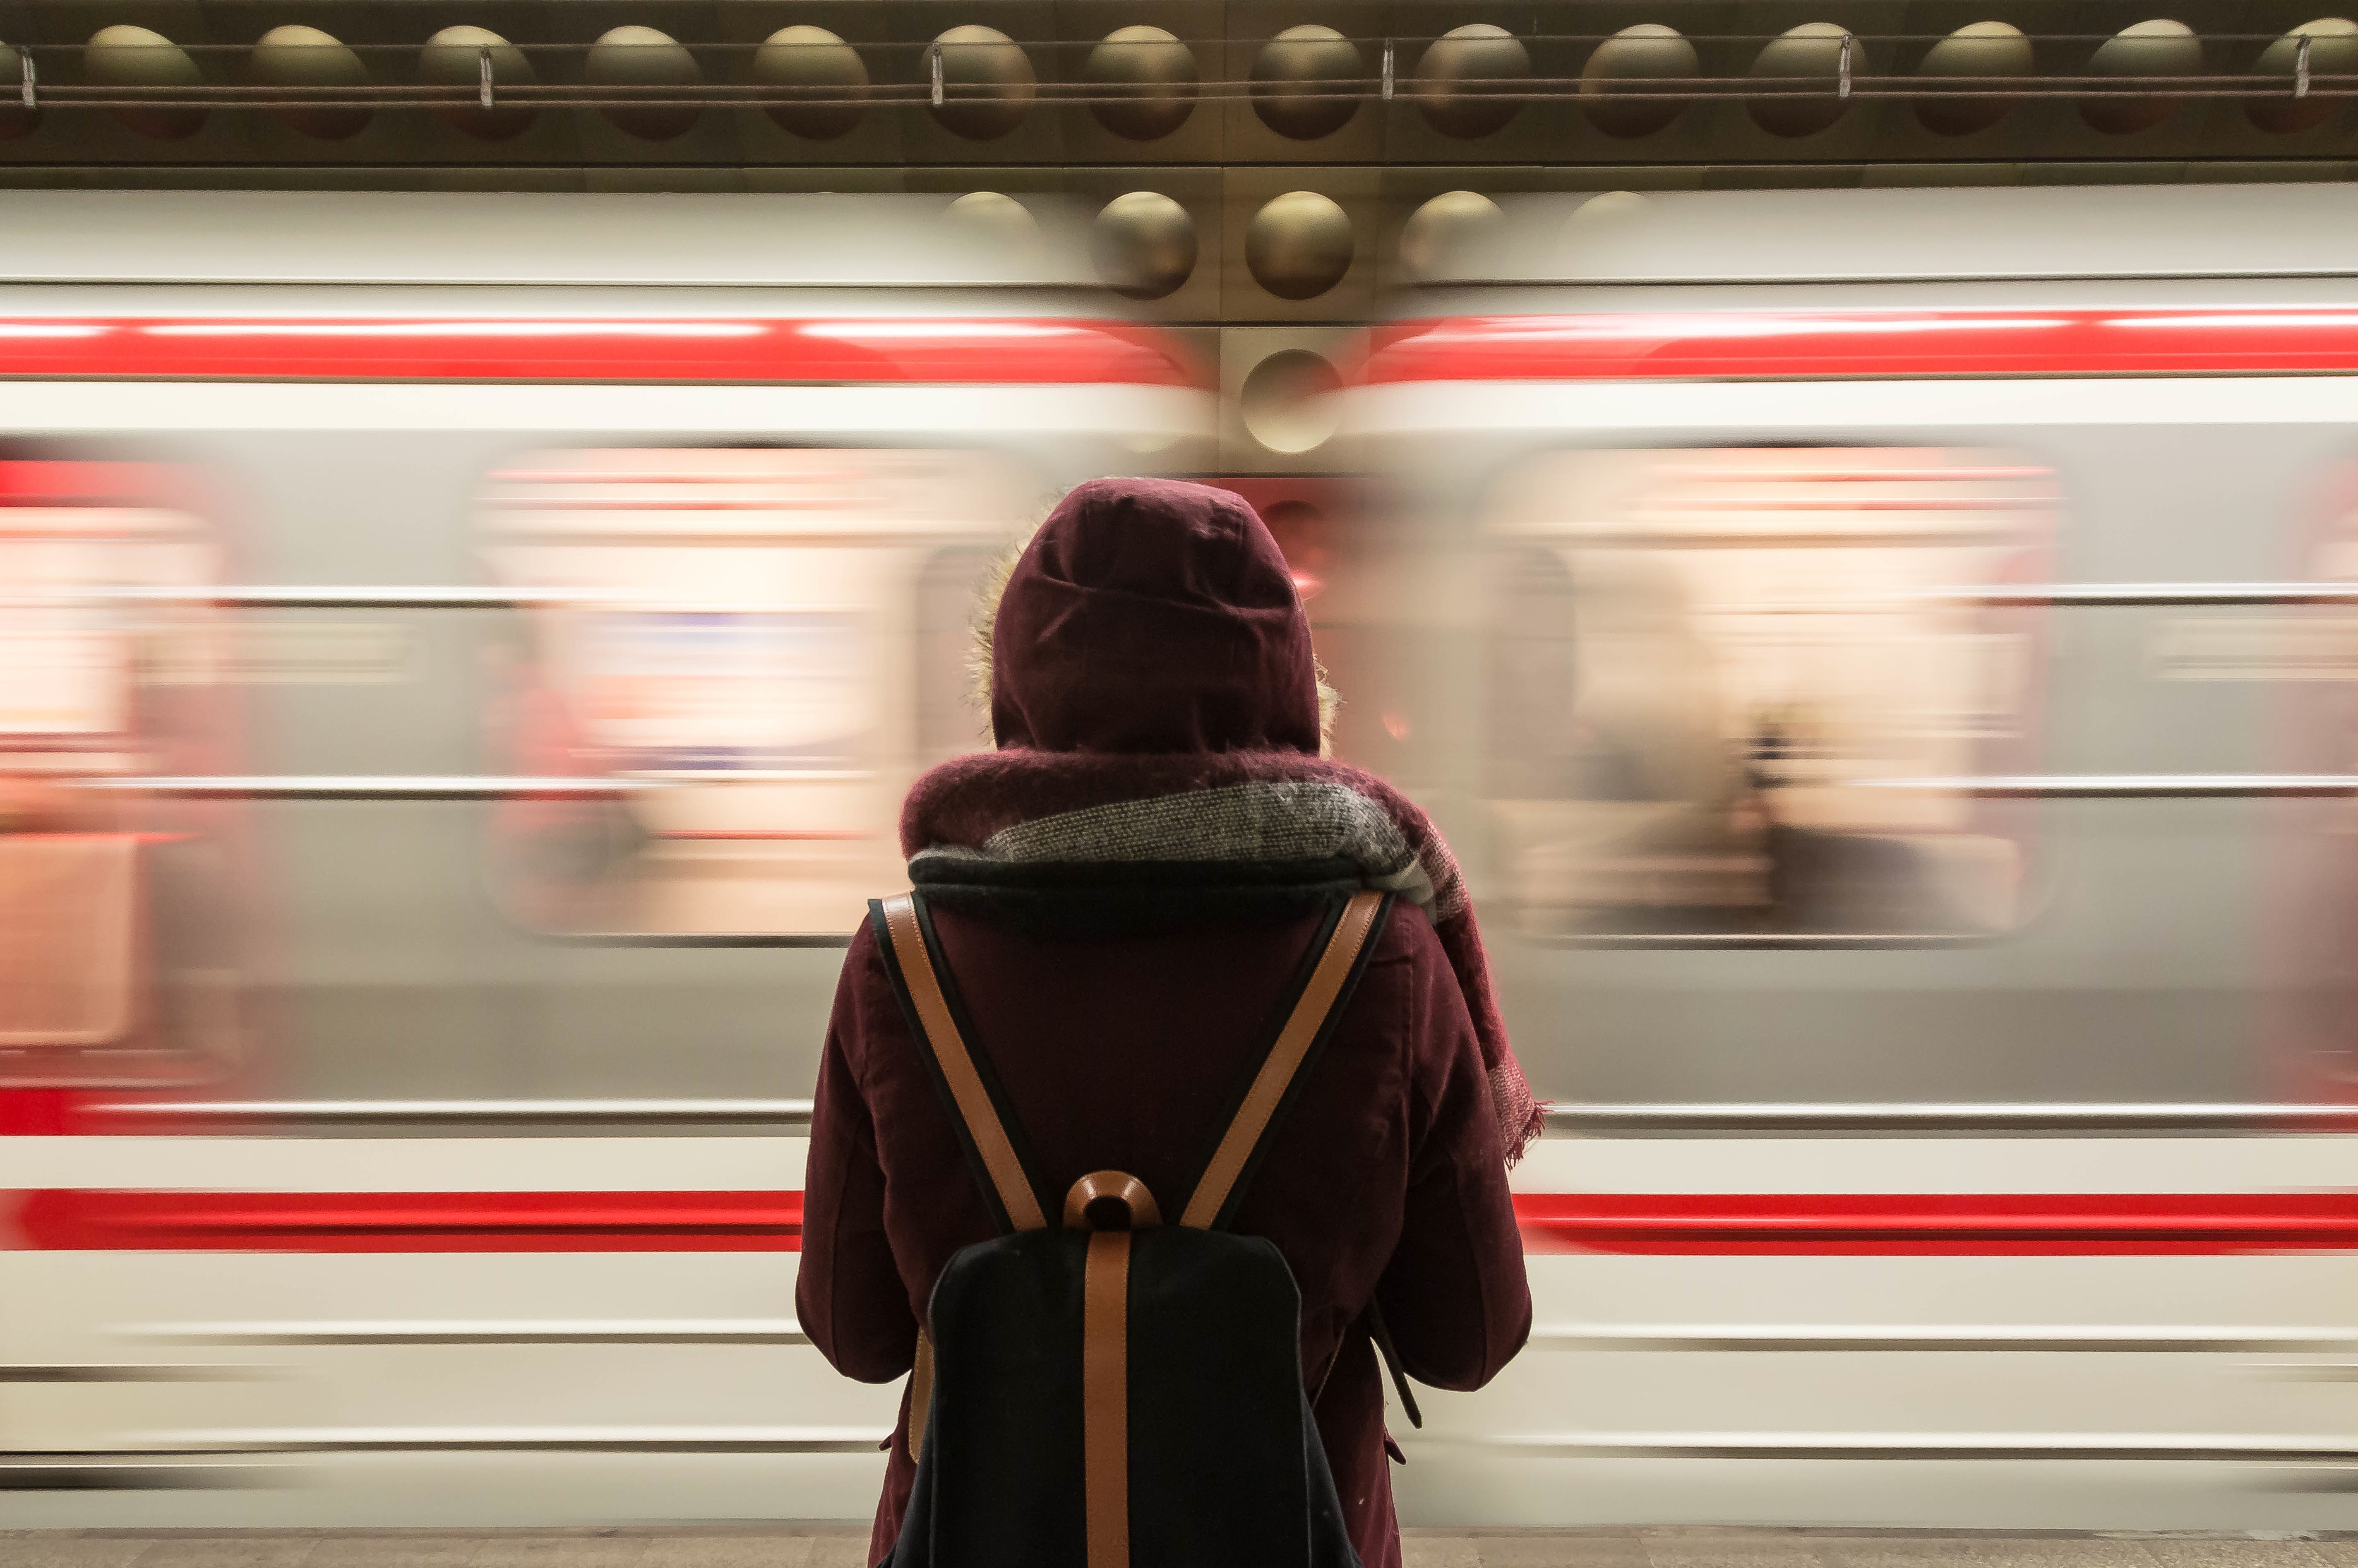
[1723, 682]
[1126, 893]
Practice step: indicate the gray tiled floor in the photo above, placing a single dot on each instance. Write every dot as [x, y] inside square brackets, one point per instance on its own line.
[844, 1547]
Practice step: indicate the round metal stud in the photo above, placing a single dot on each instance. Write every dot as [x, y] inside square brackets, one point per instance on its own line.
[460, 56]
[1298, 245]
[1152, 76]
[2331, 50]
[1596, 221]
[140, 58]
[1435, 239]
[1306, 82]
[999, 224]
[1630, 63]
[1143, 244]
[812, 63]
[1811, 58]
[299, 59]
[644, 58]
[987, 82]
[2159, 48]
[1977, 50]
[1288, 401]
[1465, 81]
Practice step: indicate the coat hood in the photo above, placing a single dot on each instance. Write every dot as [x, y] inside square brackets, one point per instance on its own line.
[1152, 616]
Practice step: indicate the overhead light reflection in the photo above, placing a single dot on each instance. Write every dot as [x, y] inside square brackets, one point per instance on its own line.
[2247, 319]
[455, 328]
[1733, 325]
[853, 331]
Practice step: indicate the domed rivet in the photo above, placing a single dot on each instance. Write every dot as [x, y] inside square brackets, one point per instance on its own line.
[2159, 48]
[1152, 77]
[1811, 56]
[982, 82]
[644, 58]
[1598, 218]
[478, 58]
[811, 64]
[1438, 235]
[1298, 245]
[999, 226]
[1305, 83]
[136, 59]
[1288, 401]
[1143, 244]
[1975, 49]
[298, 58]
[1633, 61]
[2326, 46]
[1463, 81]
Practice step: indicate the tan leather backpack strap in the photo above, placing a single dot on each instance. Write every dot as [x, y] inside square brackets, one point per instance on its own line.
[938, 1038]
[1105, 1399]
[1091, 1206]
[921, 1395]
[1304, 1028]
[934, 1025]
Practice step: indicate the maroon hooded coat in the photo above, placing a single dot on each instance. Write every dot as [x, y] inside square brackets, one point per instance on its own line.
[1148, 619]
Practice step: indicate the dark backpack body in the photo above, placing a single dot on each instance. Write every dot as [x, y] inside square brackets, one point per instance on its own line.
[1113, 1392]
[1225, 1462]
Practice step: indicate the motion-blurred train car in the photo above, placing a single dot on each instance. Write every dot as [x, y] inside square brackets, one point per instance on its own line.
[1886, 657]
[461, 659]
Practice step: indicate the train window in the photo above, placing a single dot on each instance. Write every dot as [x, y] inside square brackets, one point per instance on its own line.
[1720, 683]
[748, 642]
[118, 945]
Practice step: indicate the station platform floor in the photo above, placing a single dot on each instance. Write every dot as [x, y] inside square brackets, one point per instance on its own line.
[842, 1546]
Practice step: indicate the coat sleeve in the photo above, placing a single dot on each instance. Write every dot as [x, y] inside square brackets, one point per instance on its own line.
[849, 1294]
[1453, 1294]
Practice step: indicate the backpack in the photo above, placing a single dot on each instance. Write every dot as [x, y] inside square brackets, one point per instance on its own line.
[1111, 1391]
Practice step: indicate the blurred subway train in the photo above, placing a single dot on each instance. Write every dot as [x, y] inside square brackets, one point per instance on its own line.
[1886, 659]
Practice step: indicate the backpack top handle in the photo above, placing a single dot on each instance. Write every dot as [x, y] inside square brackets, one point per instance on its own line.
[1087, 1205]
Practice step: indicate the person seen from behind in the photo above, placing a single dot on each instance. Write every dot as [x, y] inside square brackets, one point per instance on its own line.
[1129, 906]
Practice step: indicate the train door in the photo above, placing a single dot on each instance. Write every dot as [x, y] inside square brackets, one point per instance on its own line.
[127, 929]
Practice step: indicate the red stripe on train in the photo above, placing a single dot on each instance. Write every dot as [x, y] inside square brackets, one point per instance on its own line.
[41, 1113]
[2073, 1223]
[904, 348]
[1786, 345]
[2078, 1224]
[67, 1219]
